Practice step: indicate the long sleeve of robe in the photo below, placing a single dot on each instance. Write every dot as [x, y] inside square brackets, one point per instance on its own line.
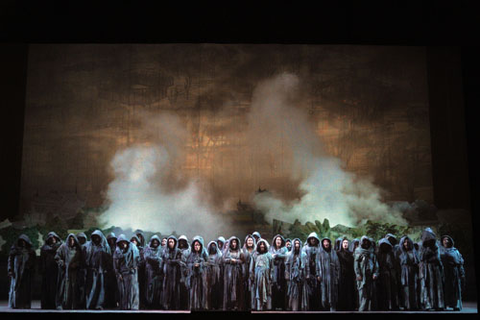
[49, 271]
[126, 264]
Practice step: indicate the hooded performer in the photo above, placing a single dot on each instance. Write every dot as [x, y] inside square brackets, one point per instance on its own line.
[431, 272]
[408, 259]
[233, 261]
[196, 275]
[278, 251]
[69, 258]
[454, 273]
[172, 258]
[261, 268]
[97, 256]
[82, 272]
[328, 268]
[214, 281]
[141, 268]
[387, 283]
[346, 285]
[311, 249]
[49, 271]
[111, 294]
[366, 271]
[248, 252]
[152, 254]
[126, 260]
[184, 247]
[295, 268]
[21, 266]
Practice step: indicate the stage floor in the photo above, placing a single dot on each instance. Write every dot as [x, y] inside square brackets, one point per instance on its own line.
[468, 307]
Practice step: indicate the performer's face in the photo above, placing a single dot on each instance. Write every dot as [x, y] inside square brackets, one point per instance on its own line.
[164, 242]
[250, 242]
[123, 245]
[446, 242]
[134, 241]
[71, 242]
[155, 243]
[326, 244]
[262, 246]
[312, 241]
[96, 239]
[345, 244]
[53, 240]
[297, 245]
[278, 242]
[288, 244]
[197, 246]
[234, 244]
[171, 243]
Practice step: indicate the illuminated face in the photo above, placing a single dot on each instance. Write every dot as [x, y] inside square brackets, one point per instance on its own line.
[220, 244]
[82, 240]
[262, 246]
[123, 245]
[288, 244]
[197, 246]
[171, 243]
[134, 241]
[164, 242]
[250, 242]
[234, 244]
[326, 244]
[405, 244]
[446, 242]
[71, 242]
[297, 245]
[345, 244]
[278, 242]
[53, 240]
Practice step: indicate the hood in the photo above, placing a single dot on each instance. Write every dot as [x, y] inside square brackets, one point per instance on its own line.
[230, 242]
[246, 238]
[353, 243]
[221, 238]
[81, 235]
[450, 238]
[75, 239]
[52, 234]
[256, 234]
[362, 239]
[328, 239]
[267, 247]
[312, 235]
[183, 240]
[384, 245]
[393, 240]
[174, 239]
[217, 250]
[338, 243]
[428, 236]
[134, 237]
[111, 235]
[411, 245]
[25, 238]
[155, 237]
[140, 237]
[199, 239]
[293, 244]
[275, 237]
[122, 238]
[340, 248]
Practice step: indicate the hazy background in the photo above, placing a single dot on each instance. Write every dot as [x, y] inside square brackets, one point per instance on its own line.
[179, 133]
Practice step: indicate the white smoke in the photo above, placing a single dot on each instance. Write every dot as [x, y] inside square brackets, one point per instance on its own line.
[148, 193]
[328, 191]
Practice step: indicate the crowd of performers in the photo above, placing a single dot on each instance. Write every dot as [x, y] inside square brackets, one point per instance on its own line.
[175, 274]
